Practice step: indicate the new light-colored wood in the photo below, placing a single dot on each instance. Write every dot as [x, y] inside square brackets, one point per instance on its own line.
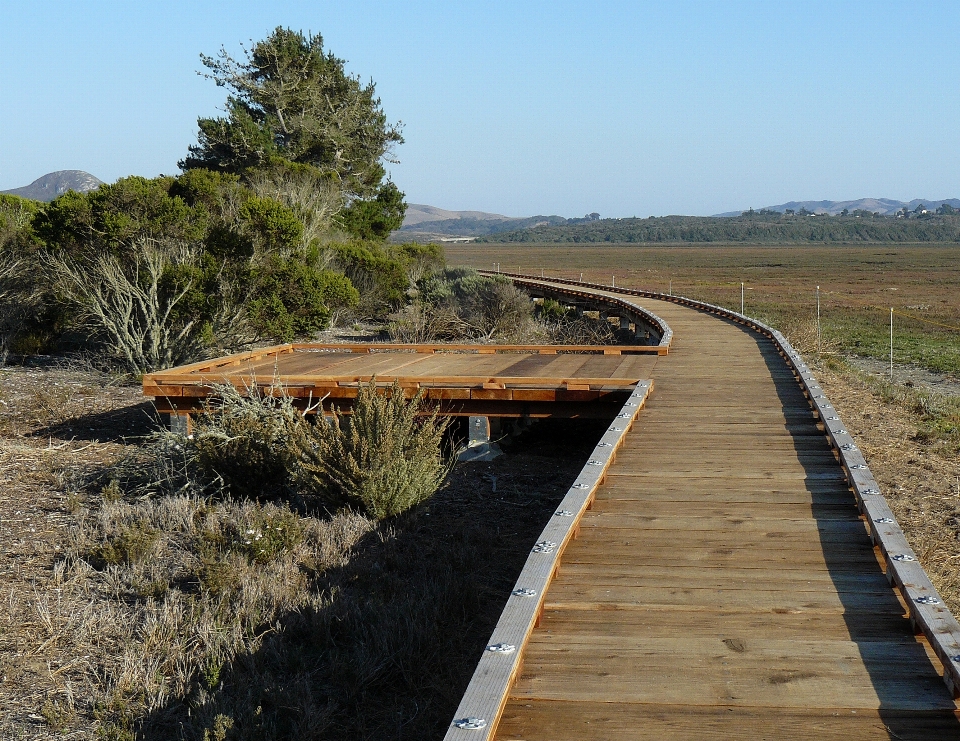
[479, 374]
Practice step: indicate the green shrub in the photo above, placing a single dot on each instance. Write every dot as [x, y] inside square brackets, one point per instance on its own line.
[245, 441]
[296, 300]
[128, 546]
[379, 275]
[383, 459]
[551, 310]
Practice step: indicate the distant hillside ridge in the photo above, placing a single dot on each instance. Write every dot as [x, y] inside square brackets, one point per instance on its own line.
[55, 184]
[758, 227]
[882, 206]
[418, 213]
[429, 223]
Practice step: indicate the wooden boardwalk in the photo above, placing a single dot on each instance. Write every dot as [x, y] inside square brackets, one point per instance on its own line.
[723, 584]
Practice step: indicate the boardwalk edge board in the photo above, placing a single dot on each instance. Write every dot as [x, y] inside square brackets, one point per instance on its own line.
[928, 613]
[479, 711]
[666, 334]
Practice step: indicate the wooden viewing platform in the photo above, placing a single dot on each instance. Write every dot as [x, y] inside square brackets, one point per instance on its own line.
[496, 380]
[724, 568]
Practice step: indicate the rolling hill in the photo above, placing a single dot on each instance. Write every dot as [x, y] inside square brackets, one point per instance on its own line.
[55, 184]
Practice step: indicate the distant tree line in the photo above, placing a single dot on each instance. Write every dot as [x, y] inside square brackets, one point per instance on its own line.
[752, 227]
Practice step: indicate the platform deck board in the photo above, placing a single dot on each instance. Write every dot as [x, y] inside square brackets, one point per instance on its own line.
[476, 373]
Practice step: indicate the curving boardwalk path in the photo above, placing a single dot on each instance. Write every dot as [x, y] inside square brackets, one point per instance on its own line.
[723, 585]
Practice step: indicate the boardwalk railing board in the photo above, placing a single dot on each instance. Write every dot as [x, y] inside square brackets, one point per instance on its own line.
[927, 610]
[486, 694]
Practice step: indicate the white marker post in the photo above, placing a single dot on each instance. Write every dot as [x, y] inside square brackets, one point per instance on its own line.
[818, 321]
[741, 298]
[891, 344]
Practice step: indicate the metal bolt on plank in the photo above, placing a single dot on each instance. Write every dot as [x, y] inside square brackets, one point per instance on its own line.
[472, 724]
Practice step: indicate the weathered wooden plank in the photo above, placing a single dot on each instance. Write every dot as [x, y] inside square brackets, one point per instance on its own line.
[545, 720]
[777, 580]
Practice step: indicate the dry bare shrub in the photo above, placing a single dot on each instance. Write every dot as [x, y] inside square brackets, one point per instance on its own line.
[127, 304]
[421, 323]
[802, 334]
[383, 458]
[581, 330]
[18, 299]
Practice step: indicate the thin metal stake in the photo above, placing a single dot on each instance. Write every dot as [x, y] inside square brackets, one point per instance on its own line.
[891, 344]
[819, 335]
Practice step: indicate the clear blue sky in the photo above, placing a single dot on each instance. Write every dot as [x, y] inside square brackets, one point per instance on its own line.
[522, 108]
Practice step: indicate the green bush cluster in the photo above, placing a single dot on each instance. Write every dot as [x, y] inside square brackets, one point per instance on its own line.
[383, 458]
[460, 304]
[162, 271]
[276, 226]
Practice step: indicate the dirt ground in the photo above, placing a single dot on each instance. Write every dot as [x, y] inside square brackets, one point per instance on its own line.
[57, 422]
[921, 484]
[54, 421]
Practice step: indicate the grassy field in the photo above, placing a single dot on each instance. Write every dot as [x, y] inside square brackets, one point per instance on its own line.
[858, 287]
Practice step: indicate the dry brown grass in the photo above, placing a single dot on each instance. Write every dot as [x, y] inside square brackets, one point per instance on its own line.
[919, 475]
[858, 284]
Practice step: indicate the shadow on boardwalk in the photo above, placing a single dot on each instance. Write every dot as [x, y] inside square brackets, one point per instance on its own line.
[914, 703]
